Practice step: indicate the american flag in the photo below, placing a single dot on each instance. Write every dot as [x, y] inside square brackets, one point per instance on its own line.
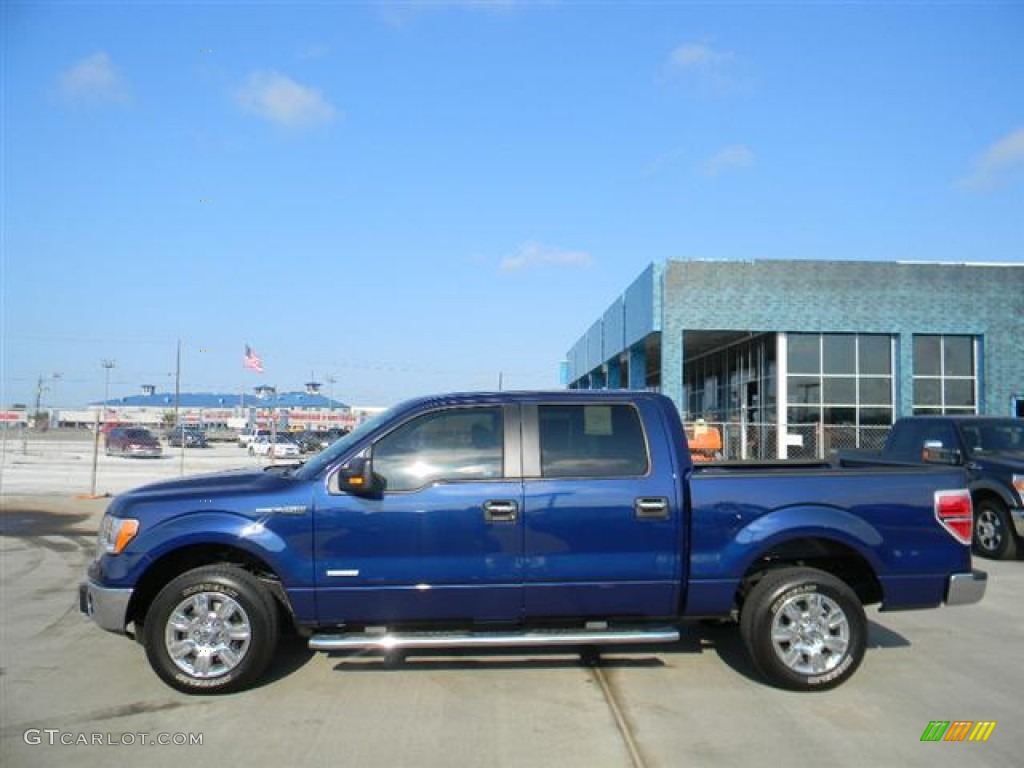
[252, 360]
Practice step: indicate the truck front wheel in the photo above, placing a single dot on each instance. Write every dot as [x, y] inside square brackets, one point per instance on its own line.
[993, 531]
[804, 629]
[211, 630]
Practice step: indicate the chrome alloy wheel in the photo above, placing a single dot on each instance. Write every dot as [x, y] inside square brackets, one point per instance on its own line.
[207, 635]
[989, 529]
[810, 634]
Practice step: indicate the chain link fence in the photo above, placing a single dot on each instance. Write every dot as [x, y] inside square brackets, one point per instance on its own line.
[735, 441]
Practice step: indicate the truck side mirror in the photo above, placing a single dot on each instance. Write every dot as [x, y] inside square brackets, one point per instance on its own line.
[356, 477]
[933, 452]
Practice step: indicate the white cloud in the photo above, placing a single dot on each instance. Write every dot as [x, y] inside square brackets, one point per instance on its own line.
[279, 99]
[711, 71]
[997, 165]
[697, 57]
[730, 158]
[93, 79]
[537, 255]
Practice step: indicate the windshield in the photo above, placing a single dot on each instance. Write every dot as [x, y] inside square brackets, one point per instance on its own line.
[995, 436]
[339, 447]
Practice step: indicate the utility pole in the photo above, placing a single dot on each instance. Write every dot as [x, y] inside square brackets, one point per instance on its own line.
[41, 387]
[39, 398]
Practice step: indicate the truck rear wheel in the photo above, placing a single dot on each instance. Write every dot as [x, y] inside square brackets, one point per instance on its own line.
[211, 630]
[804, 629]
[993, 531]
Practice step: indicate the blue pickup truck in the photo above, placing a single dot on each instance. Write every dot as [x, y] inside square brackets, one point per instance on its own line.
[512, 520]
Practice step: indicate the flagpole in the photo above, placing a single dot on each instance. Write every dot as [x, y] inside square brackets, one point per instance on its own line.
[241, 400]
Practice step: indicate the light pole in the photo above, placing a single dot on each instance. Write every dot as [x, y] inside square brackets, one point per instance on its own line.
[107, 365]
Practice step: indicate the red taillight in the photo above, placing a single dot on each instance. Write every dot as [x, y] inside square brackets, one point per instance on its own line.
[953, 509]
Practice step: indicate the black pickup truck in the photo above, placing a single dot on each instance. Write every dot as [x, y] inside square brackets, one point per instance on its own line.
[991, 449]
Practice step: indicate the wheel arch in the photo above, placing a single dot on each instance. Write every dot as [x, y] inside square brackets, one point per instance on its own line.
[820, 552]
[983, 493]
[172, 564]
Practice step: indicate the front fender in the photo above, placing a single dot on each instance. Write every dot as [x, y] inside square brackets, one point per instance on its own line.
[988, 485]
[273, 539]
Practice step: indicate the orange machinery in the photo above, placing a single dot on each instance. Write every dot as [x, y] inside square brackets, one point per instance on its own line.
[705, 442]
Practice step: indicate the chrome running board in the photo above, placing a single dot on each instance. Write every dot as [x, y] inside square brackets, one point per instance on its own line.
[389, 641]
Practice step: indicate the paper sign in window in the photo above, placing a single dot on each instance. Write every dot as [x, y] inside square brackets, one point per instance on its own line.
[597, 420]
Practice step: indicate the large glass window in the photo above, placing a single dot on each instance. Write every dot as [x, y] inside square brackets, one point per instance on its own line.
[804, 353]
[451, 445]
[841, 380]
[945, 374]
[591, 441]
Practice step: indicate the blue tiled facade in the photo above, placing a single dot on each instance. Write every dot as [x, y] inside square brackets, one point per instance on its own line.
[985, 301]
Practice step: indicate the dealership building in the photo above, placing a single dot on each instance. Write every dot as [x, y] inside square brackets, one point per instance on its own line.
[291, 410]
[794, 359]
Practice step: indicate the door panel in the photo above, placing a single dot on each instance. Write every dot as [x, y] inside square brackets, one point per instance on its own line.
[430, 554]
[443, 537]
[599, 546]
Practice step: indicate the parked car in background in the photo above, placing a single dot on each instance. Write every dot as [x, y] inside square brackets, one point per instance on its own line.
[221, 435]
[190, 437]
[329, 436]
[132, 441]
[991, 449]
[249, 434]
[281, 446]
[309, 441]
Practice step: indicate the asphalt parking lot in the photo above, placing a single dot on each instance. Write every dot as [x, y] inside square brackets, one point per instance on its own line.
[66, 686]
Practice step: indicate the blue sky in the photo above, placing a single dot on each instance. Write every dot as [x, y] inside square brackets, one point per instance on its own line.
[418, 197]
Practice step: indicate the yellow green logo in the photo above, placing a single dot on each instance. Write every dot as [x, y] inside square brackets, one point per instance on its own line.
[958, 730]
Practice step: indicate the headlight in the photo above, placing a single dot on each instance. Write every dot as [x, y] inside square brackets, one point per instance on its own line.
[114, 535]
[1018, 483]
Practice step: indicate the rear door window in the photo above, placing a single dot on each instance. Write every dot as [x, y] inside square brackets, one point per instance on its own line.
[600, 440]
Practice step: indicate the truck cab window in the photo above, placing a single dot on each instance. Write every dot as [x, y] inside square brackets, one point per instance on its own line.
[909, 441]
[450, 446]
[591, 441]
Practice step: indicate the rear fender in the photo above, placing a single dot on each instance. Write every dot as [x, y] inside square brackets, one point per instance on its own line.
[713, 592]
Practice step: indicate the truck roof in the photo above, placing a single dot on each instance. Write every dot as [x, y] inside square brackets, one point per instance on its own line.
[535, 396]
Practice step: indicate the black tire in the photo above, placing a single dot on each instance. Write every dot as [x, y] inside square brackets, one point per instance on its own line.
[225, 650]
[804, 629]
[994, 534]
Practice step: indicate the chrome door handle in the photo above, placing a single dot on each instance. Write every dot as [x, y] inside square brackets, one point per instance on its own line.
[650, 508]
[500, 511]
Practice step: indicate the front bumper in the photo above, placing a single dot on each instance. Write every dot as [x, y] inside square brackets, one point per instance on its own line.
[107, 607]
[966, 588]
